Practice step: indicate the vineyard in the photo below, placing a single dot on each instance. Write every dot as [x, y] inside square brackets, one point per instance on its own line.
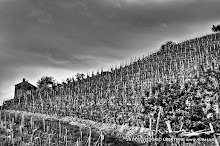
[172, 93]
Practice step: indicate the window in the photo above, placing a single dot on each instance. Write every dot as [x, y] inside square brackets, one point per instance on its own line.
[28, 92]
[19, 92]
[68, 90]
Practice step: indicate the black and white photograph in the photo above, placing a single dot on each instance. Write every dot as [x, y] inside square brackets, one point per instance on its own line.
[109, 72]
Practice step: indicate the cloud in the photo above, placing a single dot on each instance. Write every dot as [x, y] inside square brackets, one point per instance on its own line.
[124, 3]
[93, 27]
[3, 1]
[41, 16]
[155, 1]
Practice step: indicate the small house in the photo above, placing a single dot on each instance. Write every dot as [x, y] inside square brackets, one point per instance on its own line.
[24, 87]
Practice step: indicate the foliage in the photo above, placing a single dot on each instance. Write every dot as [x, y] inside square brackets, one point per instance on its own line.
[45, 81]
[79, 76]
[168, 44]
[216, 28]
[186, 104]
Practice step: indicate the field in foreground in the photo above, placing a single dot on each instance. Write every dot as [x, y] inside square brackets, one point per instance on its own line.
[23, 128]
[29, 129]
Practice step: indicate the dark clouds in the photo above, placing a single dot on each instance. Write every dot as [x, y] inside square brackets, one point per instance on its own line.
[46, 37]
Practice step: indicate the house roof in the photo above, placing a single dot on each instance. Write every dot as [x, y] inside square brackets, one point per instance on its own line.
[26, 83]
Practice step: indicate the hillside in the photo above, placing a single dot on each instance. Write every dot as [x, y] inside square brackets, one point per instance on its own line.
[117, 96]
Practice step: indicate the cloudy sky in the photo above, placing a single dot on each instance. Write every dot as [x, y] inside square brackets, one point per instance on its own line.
[60, 38]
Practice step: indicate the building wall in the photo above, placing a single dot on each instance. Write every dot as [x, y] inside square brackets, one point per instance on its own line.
[22, 88]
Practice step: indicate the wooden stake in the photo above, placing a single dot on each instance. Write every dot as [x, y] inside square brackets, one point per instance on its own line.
[102, 138]
[31, 122]
[42, 105]
[60, 130]
[44, 125]
[66, 138]
[49, 139]
[22, 120]
[90, 134]
[150, 126]
[81, 136]
[158, 119]
[212, 130]
[169, 126]
[12, 134]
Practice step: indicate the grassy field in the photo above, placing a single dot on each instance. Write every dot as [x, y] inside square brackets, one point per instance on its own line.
[25, 130]
[19, 128]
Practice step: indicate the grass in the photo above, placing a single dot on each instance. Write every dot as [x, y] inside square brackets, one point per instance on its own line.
[30, 130]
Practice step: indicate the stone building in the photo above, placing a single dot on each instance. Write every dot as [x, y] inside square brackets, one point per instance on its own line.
[24, 87]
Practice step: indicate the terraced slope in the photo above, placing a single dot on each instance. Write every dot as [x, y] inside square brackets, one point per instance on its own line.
[116, 96]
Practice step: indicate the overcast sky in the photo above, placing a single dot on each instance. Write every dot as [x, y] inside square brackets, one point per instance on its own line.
[60, 38]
